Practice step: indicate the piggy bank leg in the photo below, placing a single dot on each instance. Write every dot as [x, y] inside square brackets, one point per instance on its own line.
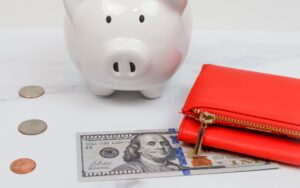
[101, 91]
[153, 93]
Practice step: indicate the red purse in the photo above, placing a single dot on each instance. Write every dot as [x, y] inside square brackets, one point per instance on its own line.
[245, 112]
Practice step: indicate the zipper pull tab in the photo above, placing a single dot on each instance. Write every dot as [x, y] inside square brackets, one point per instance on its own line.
[205, 119]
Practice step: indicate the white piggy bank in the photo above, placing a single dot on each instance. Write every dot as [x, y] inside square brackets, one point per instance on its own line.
[127, 44]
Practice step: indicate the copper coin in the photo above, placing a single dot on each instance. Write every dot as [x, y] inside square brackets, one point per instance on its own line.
[23, 166]
[31, 91]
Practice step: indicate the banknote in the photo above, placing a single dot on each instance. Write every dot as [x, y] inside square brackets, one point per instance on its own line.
[152, 153]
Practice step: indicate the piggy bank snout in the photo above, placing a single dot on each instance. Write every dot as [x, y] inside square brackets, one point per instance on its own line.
[127, 61]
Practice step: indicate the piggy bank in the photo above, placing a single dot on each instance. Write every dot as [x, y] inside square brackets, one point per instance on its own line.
[134, 45]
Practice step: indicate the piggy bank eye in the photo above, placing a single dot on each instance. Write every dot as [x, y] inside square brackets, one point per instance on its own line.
[108, 19]
[142, 18]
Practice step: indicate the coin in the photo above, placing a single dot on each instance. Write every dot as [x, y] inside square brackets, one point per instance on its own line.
[32, 127]
[31, 91]
[22, 166]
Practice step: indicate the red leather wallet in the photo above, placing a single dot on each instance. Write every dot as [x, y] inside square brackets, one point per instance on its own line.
[245, 112]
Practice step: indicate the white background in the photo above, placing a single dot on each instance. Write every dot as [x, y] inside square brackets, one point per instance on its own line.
[274, 15]
[38, 56]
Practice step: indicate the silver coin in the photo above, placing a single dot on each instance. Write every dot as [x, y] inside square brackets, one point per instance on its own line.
[31, 91]
[32, 127]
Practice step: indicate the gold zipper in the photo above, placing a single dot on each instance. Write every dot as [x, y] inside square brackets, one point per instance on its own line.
[206, 118]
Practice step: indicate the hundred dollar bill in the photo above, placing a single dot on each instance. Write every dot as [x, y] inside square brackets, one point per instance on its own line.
[154, 153]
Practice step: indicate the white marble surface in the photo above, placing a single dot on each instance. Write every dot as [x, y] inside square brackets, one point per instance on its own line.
[38, 56]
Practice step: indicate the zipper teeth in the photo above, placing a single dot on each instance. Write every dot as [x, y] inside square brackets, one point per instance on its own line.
[251, 125]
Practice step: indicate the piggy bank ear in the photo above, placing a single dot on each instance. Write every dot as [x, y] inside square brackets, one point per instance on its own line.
[70, 6]
[179, 5]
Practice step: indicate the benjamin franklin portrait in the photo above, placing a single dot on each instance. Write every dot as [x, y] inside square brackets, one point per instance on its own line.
[149, 153]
